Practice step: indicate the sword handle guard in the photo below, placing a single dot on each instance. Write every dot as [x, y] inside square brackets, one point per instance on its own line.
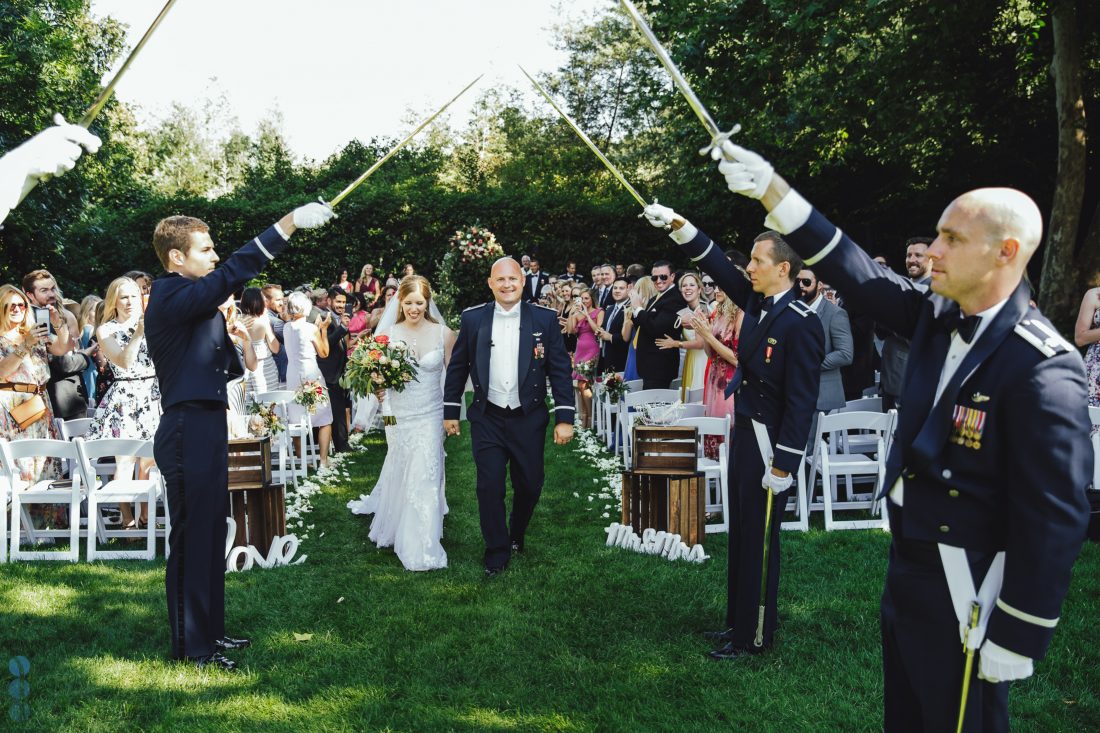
[321, 199]
[717, 140]
[666, 227]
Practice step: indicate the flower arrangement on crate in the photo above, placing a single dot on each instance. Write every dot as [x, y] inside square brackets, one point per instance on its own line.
[311, 394]
[614, 386]
[378, 363]
[462, 273]
[586, 370]
[263, 420]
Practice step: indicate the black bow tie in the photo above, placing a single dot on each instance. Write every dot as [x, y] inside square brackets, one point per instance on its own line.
[967, 326]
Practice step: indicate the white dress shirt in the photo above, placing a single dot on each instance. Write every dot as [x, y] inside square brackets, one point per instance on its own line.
[773, 300]
[504, 357]
[955, 354]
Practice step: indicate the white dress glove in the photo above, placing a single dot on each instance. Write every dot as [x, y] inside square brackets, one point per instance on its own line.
[776, 484]
[51, 152]
[997, 664]
[312, 215]
[659, 216]
[746, 172]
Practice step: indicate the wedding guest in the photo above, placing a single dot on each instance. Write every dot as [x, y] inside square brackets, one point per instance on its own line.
[332, 367]
[87, 323]
[143, 279]
[236, 387]
[131, 406]
[343, 282]
[1087, 333]
[720, 331]
[265, 376]
[536, 279]
[304, 343]
[376, 314]
[613, 345]
[408, 270]
[24, 370]
[275, 303]
[585, 320]
[658, 319]
[66, 385]
[360, 318]
[368, 286]
[644, 291]
[570, 273]
[694, 362]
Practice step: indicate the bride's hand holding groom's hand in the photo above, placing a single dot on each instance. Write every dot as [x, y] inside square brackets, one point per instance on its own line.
[450, 427]
[563, 433]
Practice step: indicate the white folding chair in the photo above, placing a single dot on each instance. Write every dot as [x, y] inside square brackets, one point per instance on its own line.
[284, 461]
[692, 410]
[712, 470]
[676, 384]
[630, 401]
[75, 428]
[863, 404]
[46, 491]
[597, 413]
[694, 396]
[834, 463]
[1094, 416]
[5, 509]
[118, 490]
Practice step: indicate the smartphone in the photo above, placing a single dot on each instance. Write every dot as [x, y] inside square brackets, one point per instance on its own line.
[314, 315]
[42, 315]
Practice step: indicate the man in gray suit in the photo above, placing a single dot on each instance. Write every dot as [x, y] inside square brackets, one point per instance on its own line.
[895, 350]
[838, 339]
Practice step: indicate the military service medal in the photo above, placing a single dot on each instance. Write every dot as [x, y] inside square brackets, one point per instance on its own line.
[968, 425]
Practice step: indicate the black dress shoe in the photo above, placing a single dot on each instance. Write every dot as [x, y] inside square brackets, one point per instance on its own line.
[729, 651]
[721, 637]
[216, 661]
[228, 643]
[517, 545]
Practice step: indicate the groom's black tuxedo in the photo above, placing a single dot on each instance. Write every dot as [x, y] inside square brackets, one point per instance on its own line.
[503, 436]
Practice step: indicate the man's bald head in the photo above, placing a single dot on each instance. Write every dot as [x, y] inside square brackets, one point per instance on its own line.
[1007, 214]
[506, 282]
[503, 265]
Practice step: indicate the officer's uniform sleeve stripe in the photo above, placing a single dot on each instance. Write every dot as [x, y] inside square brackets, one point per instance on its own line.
[824, 252]
[780, 446]
[1046, 623]
[705, 253]
[284, 235]
[263, 249]
[452, 404]
[566, 407]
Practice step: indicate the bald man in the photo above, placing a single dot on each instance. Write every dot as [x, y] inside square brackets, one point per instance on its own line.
[986, 477]
[508, 348]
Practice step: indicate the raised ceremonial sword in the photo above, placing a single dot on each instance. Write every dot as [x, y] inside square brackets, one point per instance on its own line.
[717, 137]
[108, 90]
[393, 151]
[591, 145]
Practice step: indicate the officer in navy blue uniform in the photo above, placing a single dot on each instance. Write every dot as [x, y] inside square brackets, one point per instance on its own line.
[194, 358]
[509, 348]
[987, 474]
[780, 349]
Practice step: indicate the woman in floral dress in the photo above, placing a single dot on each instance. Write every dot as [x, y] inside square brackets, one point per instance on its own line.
[720, 332]
[131, 406]
[1087, 333]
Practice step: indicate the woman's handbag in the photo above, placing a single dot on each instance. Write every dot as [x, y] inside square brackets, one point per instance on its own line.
[27, 412]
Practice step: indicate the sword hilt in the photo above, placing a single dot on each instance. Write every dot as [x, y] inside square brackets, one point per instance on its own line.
[721, 137]
[642, 215]
[321, 199]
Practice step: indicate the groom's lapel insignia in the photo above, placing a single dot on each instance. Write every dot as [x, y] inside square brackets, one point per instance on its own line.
[484, 348]
[526, 343]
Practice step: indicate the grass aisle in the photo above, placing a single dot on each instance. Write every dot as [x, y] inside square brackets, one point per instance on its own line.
[573, 637]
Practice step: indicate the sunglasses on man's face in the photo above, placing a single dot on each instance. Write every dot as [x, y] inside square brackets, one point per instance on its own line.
[661, 277]
[805, 282]
[708, 283]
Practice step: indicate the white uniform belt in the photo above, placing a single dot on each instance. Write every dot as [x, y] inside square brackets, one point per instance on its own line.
[960, 583]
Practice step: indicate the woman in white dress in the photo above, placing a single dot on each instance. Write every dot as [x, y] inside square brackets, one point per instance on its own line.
[408, 502]
[693, 361]
[304, 341]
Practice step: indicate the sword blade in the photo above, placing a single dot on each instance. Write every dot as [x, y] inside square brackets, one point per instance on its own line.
[108, 90]
[678, 79]
[591, 145]
[393, 151]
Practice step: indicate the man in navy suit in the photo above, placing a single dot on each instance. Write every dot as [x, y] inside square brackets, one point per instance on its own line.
[780, 350]
[508, 348]
[535, 282]
[194, 359]
[987, 473]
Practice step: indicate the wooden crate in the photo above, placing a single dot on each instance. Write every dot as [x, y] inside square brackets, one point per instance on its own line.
[260, 515]
[665, 451]
[249, 463]
[669, 503]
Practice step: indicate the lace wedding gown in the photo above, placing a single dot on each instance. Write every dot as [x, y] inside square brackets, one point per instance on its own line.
[408, 502]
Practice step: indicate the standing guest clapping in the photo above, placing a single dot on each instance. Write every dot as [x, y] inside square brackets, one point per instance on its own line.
[131, 407]
[304, 343]
[720, 332]
[585, 320]
[194, 357]
[265, 345]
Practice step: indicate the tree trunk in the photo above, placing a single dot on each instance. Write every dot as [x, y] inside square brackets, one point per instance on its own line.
[1058, 294]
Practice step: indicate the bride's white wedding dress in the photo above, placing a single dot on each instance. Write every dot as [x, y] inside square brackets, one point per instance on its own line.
[408, 501]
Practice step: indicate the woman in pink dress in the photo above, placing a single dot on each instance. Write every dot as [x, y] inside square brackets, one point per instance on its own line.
[720, 331]
[584, 321]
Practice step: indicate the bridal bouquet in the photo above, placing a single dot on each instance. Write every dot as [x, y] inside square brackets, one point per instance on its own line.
[311, 394]
[378, 363]
[263, 420]
[615, 387]
[586, 369]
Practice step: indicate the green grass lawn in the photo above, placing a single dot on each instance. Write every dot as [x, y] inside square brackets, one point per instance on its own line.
[574, 636]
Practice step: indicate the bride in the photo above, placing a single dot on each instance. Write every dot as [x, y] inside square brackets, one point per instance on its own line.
[408, 501]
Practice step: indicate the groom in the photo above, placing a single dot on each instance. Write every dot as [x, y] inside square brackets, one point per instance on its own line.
[508, 348]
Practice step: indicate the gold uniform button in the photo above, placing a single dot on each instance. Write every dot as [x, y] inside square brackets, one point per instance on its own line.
[944, 528]
[953, 493]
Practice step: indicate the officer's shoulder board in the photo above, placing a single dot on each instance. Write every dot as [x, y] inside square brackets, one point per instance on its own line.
[1042, 336]
[473, 307]
[545, 308]
[800, 308]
